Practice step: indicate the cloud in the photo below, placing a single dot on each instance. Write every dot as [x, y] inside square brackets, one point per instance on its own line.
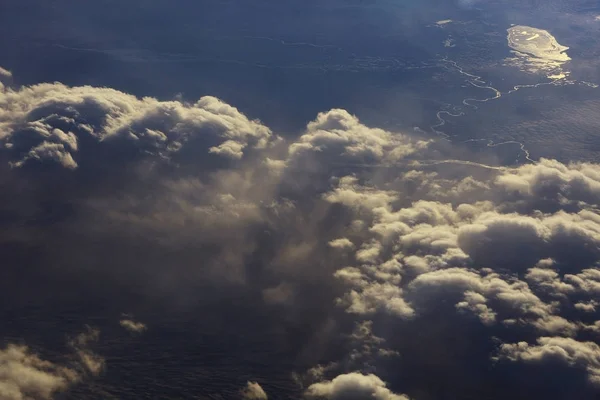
[516, 299]
[550, 182]
[353, 386]
[133, 326]
[253, 391]
[571, 352]
[341, 243]
[280, 294]
[476, 303]
[586, 281]
[338, 239]
[53, 122]
[91, 362]
[376, 297]
[549, 281]
[4, 73]
[587, 306]
[49, 151]
[24, 375]
[493, 254]
[339, 133]
[431, 237]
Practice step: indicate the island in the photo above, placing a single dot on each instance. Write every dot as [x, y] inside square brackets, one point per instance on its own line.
[538, 50]
[536, 43]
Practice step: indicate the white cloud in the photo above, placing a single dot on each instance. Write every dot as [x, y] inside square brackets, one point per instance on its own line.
[353, 386]
[133, 326]
[375, 297]
[24, 375]
[91, 362]
[49, 151]
[476, 303]
[431, 240]
[339, 134]
[44, 112]
[587, 306]
[553, 180]
[4, 73]
[351, 194]
[253, 391]
[571, 352]
[549, 281]
[229, 148]
[587, 281]
[341, 243]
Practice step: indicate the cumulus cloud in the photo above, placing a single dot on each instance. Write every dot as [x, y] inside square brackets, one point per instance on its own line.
[367, 229]
[253, 391]
[24, 375]
[504, 254]
[476, 303]
[341, 134]
[133, 326]
[341, 243]
[549, 281]
[587, 306]
[573, 353]
[586, 281]
[554, 182]
[51, 152]
[513, 299]
[353, 386]
[432, 239]
[376, 297]
[48, 122]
